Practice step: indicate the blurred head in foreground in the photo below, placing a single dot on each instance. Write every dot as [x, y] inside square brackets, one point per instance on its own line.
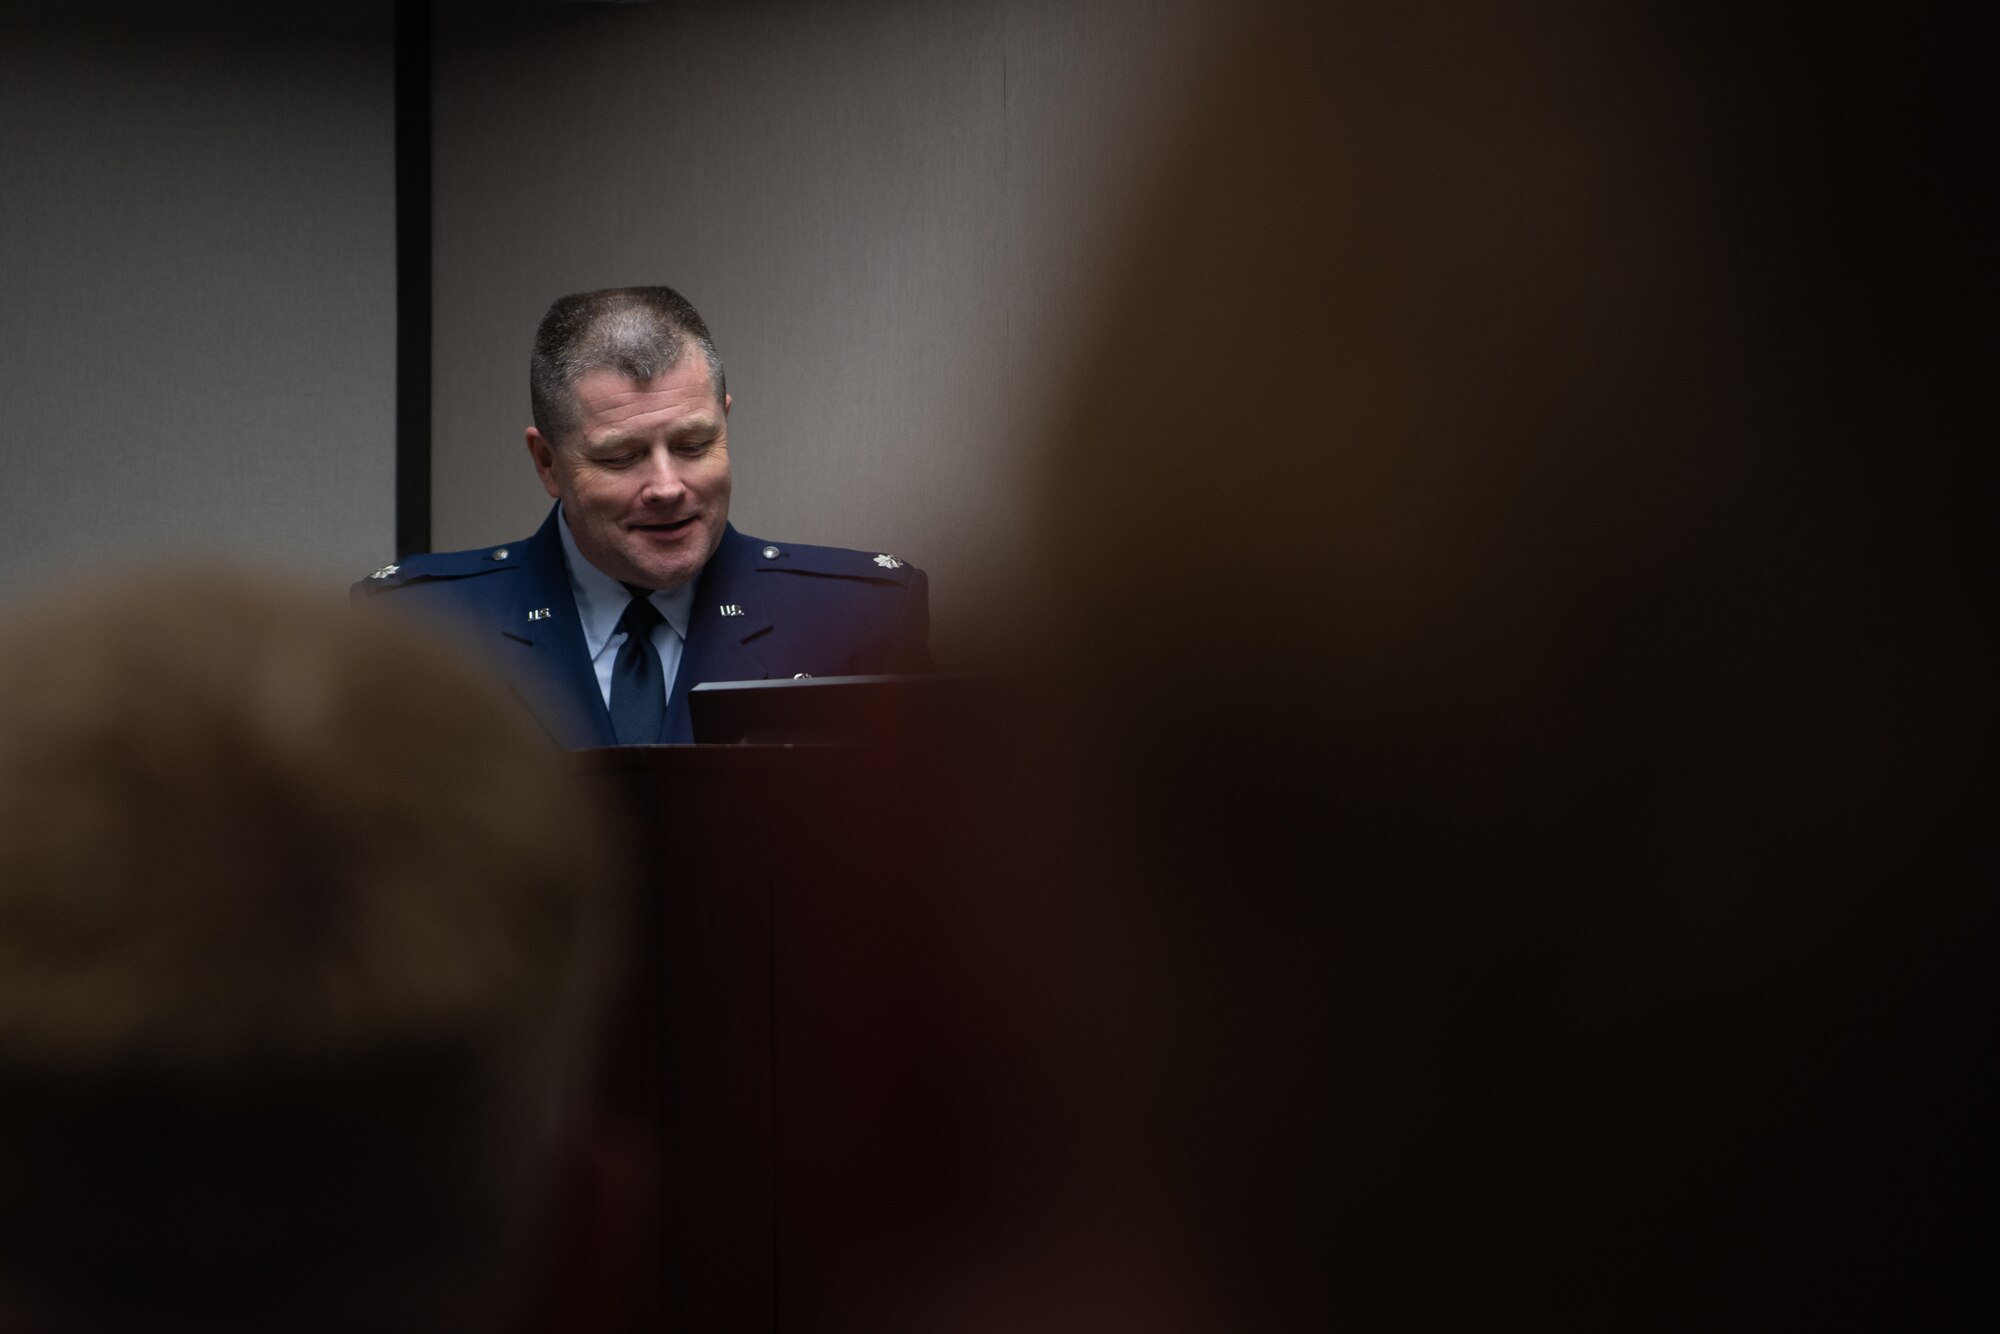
[297, 941]
[1507, 550]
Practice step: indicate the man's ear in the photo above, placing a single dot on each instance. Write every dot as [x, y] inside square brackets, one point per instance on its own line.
[544, 455]
[727, 399]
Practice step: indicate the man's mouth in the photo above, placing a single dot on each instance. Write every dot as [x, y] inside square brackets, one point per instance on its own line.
[674, 526]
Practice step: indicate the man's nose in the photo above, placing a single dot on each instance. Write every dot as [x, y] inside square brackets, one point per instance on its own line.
[662, 479]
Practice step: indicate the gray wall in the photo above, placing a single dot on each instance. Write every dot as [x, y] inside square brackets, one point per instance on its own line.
[197, 286]
[892, 213]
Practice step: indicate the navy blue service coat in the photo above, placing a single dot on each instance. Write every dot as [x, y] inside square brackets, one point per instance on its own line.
[762, 610]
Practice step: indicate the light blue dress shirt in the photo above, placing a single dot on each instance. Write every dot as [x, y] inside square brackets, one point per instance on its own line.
[600, 605]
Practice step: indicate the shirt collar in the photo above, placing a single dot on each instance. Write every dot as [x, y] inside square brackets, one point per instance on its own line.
[600, 599]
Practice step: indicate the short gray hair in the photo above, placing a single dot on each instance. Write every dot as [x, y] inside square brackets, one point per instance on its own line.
[640, 332]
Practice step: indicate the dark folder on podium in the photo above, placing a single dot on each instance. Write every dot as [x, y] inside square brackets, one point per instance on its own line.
[832, 710]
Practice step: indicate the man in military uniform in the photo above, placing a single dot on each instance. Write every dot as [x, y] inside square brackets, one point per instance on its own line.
[637, 587]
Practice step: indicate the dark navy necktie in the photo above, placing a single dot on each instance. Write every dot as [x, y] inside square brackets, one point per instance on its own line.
[638, 682]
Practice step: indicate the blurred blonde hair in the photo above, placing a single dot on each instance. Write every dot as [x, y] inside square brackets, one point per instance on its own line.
[297, 944]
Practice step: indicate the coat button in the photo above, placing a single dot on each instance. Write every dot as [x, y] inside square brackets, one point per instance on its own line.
[499, 553]
[771, 553]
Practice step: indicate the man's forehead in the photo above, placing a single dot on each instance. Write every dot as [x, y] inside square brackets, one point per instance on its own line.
[607, 399]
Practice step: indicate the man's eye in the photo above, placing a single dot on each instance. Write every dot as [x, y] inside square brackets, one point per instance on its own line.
[691, 449]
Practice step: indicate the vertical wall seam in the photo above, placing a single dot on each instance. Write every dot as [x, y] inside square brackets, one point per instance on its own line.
[413, 276]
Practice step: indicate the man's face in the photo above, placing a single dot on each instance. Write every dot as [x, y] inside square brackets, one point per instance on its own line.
[644, 478]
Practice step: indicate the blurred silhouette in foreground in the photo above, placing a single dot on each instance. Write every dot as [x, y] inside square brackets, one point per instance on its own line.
[301, 934]
[1511, 609]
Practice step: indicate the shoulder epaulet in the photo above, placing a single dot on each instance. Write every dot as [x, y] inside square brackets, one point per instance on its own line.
[839, 562]
[439, 565]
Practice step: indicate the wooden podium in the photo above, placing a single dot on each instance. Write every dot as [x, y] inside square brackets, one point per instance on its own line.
[791, 1033]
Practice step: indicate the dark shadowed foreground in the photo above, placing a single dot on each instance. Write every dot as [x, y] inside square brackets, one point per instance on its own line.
[1502, 855]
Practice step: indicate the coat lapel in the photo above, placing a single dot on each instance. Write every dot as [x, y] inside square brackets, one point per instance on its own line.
[726, 614]
[547, 652]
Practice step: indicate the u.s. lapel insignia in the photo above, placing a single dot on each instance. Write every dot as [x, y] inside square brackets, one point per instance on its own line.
[385, 572]
[888, 562]
[540, 614]
[731, 609]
